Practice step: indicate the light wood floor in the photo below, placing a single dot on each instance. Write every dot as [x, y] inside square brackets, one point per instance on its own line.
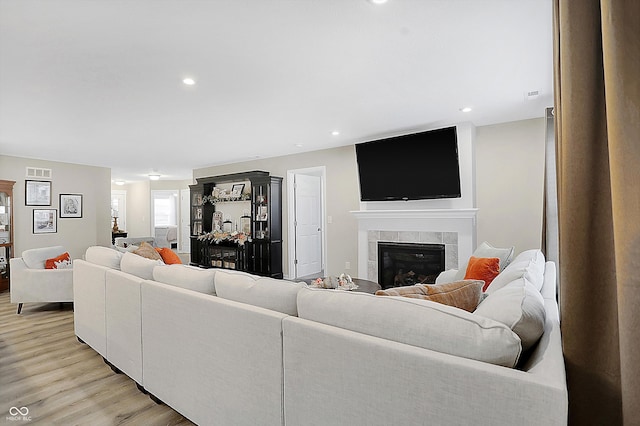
[61, 381]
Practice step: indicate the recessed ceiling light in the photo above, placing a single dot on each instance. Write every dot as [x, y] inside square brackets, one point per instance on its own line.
[189, 81]
[465, 109]
[335, 133]
[378, 1]
[154, 177]
[299, 145]
[119, 182]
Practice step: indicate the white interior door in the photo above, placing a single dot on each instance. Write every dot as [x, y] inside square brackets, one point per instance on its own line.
[308, 225]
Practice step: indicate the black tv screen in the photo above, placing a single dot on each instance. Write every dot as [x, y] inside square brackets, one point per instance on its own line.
[410, 167]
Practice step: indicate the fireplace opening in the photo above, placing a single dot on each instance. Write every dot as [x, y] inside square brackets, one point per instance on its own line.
[402, 264]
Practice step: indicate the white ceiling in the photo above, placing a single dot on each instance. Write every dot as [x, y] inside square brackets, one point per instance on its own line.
[100, 82]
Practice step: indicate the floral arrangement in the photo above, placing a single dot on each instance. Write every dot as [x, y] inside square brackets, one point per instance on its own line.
[223, 196]
[218, 236]
[342, 282]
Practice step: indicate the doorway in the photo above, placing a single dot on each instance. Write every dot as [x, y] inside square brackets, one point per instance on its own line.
[306, 208]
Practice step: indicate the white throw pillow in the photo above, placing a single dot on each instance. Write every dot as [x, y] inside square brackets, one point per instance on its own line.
[103, 256]
[518, 305]
[422, 323]
[487, 250]
[139, 266]
[185, 276]
[36, 258]
[269, 293]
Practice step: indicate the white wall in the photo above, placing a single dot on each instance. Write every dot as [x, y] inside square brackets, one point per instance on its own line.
[510, 183]
[75, 234]
[509, 163]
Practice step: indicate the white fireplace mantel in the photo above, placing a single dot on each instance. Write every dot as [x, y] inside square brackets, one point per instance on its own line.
[460, 221]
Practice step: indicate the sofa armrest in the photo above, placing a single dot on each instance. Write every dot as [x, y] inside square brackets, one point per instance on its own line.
[373, 381]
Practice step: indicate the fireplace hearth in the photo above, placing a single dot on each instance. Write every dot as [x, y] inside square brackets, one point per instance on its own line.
[402, 264]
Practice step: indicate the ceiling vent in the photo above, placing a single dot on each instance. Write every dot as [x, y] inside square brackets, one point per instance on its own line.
[39, 173]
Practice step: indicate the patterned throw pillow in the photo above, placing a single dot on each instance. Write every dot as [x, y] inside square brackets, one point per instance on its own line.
[61, 262]
[465, 294]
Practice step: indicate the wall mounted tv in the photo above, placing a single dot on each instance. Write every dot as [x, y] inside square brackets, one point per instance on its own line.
[410, 167]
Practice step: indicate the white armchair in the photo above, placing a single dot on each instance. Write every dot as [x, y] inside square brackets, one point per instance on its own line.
[31, 282]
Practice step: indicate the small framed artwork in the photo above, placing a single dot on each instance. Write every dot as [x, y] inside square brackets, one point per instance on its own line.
[236, 189]
[70, 205]
[37, 193]
[44, 221]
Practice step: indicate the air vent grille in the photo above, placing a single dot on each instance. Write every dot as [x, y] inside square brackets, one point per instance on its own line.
[38, 173]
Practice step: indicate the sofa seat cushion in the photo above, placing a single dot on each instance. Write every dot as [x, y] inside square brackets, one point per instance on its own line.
[36, 258]
[103, 256]
[422, 323]
[185, 276]
[139, 266]
[269, 293]
[464, 294]
[518, 305]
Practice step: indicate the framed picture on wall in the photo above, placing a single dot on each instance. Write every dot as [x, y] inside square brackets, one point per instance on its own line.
[44, 221]
[70, 205]
[37, 193]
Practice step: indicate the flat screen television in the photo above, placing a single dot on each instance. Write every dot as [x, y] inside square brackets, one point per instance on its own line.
[410, 167]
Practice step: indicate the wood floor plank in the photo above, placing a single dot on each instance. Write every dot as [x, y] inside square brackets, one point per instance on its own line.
[62, 381]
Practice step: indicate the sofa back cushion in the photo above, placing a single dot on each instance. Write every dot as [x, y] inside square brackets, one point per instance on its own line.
[137, 265]
[36, 258]
[185, 276]
[520, 306]
[103, 256]
[529, 264]
[269, 293]
[422, 323]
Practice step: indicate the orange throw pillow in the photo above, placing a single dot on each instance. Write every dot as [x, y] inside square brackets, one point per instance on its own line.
[483, 268]
[51, 263]
[169, 257]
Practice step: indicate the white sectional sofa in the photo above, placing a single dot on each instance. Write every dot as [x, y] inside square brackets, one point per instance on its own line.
[229, 348]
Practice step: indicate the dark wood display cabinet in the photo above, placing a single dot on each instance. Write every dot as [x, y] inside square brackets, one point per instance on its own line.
[236, 223]
[6, 231]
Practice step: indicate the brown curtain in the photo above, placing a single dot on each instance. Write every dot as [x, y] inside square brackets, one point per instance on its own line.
[597, 107]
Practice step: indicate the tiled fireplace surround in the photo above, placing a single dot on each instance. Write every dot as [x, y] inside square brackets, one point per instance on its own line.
[455, 228]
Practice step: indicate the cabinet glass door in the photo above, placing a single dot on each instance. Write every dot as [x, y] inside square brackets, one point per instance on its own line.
[5, 218]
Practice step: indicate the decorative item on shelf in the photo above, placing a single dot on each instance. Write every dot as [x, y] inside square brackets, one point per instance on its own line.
[216, 223]
[114, 215]
[245, 223]
[227, 226]
[216, 237]
[219, 195]
[261, 214]
[342, 282]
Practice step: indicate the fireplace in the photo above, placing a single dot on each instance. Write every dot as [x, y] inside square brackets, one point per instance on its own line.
[402, 264]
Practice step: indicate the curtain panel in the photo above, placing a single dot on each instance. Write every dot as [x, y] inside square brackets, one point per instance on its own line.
[597, 111]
